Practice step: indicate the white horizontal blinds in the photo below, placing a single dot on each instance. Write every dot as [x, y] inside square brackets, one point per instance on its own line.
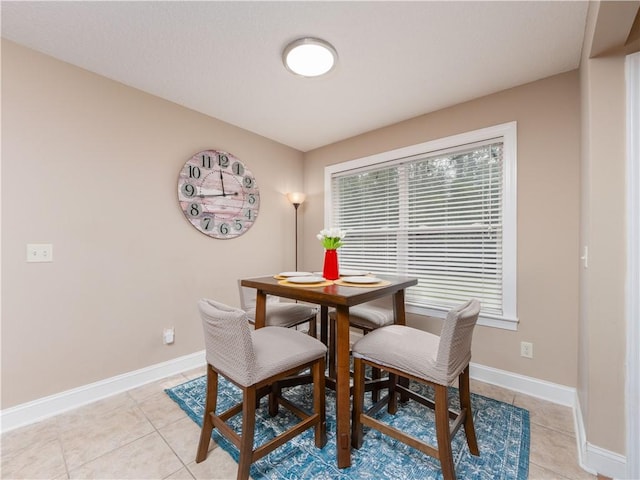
[367, 205]
[455, 228]
[437, 217]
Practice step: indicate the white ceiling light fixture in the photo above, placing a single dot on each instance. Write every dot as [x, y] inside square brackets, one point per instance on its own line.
[309, 57]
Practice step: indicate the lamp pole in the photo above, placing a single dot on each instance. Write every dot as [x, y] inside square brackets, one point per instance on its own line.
[296, 198]
[296, 205]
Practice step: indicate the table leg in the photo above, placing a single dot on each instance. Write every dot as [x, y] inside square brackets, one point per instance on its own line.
[324, 322]
[343, 396]
[261, 309]
[324, 338]
[400, 319]
[332, 349]
[398, 307]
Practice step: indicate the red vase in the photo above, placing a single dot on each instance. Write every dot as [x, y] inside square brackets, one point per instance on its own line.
[330, 270]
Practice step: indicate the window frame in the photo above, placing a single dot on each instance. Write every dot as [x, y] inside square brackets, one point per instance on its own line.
[508, 132]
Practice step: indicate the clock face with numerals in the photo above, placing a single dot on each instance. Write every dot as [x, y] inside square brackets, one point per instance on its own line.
[218, 194]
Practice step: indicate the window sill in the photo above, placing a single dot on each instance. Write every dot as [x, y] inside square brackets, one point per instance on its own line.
[505, 323]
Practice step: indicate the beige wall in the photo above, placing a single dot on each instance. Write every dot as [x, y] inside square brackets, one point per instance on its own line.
[601, 386]
[603, 299]
[548, 116]
[91, 166]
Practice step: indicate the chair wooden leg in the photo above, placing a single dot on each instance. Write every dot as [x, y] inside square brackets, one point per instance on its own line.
[273, 399]
[313, 328]
[443, 433]
[404, 398]
[376, 373]
[248, 431]
[392, 406]
[319, 407]
[209, 409]
[465, 406]
[358, 403]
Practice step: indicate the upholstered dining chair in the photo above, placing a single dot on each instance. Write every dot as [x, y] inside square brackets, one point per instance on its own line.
[279, 314]
[253, 359]
[426, 358]
[367, 317]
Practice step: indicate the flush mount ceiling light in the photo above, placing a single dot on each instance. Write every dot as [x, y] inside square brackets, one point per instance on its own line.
[309, 57]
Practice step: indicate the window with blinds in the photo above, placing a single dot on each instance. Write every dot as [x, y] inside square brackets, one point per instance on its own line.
[438, 216]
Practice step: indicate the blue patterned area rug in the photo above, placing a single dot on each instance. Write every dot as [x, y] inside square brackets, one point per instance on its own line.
[502, 431]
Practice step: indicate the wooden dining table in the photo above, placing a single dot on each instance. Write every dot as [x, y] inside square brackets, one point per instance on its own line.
[340, 297]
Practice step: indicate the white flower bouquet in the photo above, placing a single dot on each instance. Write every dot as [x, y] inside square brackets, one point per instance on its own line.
[331, 238]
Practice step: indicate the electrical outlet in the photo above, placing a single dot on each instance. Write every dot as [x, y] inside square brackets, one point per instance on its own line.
[168, 336]
[39, 252]
[526, 349]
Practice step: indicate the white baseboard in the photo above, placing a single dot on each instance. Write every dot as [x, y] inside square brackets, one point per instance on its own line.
[34, 411]
[591, 458]
[605, 462]
[551, 392]
[594, 459]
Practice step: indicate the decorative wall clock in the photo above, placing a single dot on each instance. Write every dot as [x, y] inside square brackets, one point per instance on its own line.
[218, 194]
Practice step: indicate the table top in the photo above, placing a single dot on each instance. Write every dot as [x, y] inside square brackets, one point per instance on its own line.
[331, 295]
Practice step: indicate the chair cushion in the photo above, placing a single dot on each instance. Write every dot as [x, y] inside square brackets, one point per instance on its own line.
[278, 349]
[283, 314]
[405, 348]
[368, 317]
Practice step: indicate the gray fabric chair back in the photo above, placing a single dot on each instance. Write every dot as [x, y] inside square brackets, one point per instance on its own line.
[454, 349]
[228, 342]
[248, 299]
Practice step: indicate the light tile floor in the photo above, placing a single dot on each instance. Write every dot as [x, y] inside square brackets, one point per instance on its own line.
[142, 434]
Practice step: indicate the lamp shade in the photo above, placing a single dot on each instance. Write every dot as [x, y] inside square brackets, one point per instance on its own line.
[296, 198]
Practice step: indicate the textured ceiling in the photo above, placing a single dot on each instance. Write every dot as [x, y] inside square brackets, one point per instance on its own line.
[397, 60]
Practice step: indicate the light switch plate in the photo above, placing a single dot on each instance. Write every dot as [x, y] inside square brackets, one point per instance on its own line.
[39, 252]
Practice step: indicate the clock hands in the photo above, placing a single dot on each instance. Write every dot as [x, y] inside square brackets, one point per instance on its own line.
[223, 194]
[217, 195]
[222, 183]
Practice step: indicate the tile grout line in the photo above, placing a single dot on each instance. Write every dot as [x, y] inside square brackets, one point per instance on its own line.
[136, 405]
[162, 436]
[59, 439]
